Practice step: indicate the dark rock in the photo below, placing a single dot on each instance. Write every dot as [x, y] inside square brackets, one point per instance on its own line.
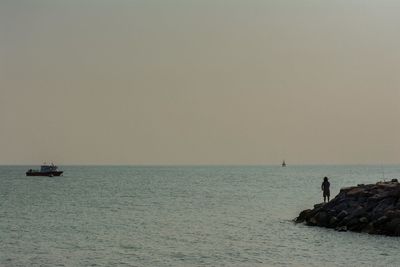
[352, 222]
[352, 205]
[333, 222]
[341, 196]
[395, 193]
[342, 214]
[380, 221]
[358, 227]
[397, 231]
[391, 226]
[302, 216]
[312, 221]
[369, 229]
[341, 228]
[358, 212]
[344, 221]
[341, 206]
[347, 189]
[371, 203]
[355, 191]
[322, 218]
[371, 208]
[386, 185]
[392, 214]
[383, 206]
[319, 206]
[381, 195]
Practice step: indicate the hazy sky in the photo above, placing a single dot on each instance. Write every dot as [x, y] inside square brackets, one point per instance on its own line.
[199, 82]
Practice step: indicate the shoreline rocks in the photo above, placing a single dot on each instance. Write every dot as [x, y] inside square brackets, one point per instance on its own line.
[370, 208]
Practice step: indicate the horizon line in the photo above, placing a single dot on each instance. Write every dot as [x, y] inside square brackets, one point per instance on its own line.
[204, 164]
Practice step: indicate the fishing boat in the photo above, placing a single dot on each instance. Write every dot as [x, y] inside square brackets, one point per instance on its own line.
[45, 170]
[284, 164]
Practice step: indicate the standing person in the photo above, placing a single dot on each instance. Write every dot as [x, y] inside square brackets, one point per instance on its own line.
[325, 189]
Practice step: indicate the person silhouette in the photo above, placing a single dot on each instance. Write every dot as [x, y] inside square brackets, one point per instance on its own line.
[325, 189]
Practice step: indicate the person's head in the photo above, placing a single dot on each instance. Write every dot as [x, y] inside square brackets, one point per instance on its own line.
[326, 179]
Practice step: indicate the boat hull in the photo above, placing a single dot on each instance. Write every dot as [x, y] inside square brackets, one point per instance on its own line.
[48, 174]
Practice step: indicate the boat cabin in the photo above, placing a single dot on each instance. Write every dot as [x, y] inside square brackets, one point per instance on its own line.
[48, 168]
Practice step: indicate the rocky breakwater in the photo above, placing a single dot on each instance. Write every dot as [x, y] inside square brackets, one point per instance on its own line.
[371, 208]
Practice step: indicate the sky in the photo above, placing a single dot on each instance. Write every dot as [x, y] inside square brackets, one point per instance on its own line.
[199, 82]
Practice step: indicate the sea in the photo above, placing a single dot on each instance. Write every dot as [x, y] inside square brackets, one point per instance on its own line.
[182, 216]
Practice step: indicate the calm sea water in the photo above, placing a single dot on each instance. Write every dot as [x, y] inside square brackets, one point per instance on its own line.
[181, 216]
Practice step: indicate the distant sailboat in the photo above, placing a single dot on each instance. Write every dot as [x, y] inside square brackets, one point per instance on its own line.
[283, 163]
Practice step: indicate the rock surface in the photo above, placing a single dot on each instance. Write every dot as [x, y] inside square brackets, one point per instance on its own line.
[371, 208]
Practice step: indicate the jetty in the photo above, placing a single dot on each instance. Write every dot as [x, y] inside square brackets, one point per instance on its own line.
[368, 208]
